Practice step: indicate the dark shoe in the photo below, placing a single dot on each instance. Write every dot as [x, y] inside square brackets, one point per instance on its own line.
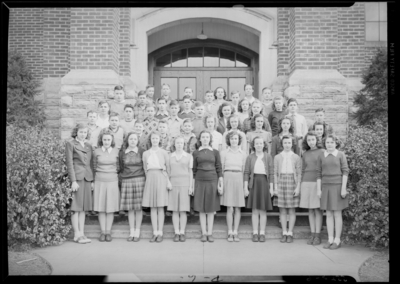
[210, 238]
[130, 239]
[153, 239]
[168, 213]
[284, 238]
[335, 245]
[255, 238]
[191, 211]
[289, 239]
[108, 238]
[136, 239]
[236, 238]
[311, 240]
[230, 238]
[317, 241]
[159, 239]
[203, 238]
[262, 238]
[182, 238]
[327, 245]
[102, 238]
[176, 238]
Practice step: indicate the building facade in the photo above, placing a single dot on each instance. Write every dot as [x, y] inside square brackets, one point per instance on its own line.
[313, 54]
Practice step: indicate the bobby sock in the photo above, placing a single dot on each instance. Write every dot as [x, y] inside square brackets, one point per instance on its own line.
[132, 232]
[235, 232]
[285, 233]
[230, 232]
[255, 232]
[262, 232]
[155, 233]
[337, 241]
[160, 233]
[177, 232]
[182, 232]
[290, 234]
[330, 239]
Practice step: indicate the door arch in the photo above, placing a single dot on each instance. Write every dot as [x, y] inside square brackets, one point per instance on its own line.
[202, 65]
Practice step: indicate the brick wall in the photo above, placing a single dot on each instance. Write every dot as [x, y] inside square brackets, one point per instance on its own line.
[26, 36]
[94, 38]
[124, 42]
[351, 34]
[283, 41]
[56, 38]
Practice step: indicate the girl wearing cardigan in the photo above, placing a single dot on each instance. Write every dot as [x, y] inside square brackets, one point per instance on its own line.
[258, 186]
[332, 178]
[157, 169]
[79, 162]
[287, 171]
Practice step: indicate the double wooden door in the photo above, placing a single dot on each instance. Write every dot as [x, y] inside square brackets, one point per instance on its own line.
[201, 80]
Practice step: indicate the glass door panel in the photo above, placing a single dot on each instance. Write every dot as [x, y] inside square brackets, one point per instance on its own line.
[236, 84]
[219, 82]
[186, 82]
[173, 84]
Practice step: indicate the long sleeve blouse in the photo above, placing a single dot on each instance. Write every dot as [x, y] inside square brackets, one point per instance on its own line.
[331, 167]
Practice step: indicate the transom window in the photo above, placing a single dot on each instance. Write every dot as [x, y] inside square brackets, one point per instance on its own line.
[376, 21]
[203, 57]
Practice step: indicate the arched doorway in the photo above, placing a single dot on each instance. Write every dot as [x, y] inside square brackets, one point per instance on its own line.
[202, 65]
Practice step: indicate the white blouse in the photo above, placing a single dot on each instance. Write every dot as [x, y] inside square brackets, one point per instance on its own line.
[287, 167]
[259, 167]
[152, 162]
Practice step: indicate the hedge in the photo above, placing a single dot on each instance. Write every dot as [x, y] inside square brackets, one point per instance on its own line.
[367, 218]
[37, 187]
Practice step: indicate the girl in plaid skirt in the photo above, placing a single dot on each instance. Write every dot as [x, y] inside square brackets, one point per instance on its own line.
[287, 177]
[133, 181]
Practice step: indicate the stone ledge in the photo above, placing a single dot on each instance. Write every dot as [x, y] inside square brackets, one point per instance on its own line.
[316, 77]
[91, 77]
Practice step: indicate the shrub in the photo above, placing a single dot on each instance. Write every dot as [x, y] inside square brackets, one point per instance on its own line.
[367, 218]
[37, 187]
[22, 108]
[372, 99]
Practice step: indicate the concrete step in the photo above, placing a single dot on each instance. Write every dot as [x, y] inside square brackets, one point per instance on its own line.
[194, 231]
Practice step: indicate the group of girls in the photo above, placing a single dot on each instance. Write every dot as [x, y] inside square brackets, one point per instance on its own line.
[233, 158]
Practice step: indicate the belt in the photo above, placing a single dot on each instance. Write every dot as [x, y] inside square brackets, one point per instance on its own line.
[234, 171]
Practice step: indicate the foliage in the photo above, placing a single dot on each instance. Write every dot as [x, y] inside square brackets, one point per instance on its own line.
[37, 187]
[371, 101]
[22, 108]
[367, 218]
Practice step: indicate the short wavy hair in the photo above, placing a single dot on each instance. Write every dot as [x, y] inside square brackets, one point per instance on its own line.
[253, 122]
[265, 148]
[126, 143]
[198, 142]
[155, 132]
[323, 125]
[105, 102]
[207, 116]
[248, 84]
[228, 124]
[78, 126]
[215, 92]
[105, 131]
[240, 109]
[338, 142]
[305, 145]
[173, 149]
[288, 137]
[224, 104]
[230, 134]
[256, 101]
[291, 129]
[279, 97]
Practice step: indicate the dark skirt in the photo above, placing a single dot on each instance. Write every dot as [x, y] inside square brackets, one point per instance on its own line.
[206, 199]
[331, 199]
[82, 198]
[132, 193]
[259, 196]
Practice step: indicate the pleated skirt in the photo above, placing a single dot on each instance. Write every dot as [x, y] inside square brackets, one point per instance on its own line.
[331, 198]
[132, 193]
[106, 196]
[259, 196]
[308, 195]
[82, 198]
[179, 199]
[155, 190]
[206, 199]
[233, 194]
[286, 187]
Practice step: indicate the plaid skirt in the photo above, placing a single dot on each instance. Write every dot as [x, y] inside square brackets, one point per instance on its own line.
[286, 187]
[132, 193]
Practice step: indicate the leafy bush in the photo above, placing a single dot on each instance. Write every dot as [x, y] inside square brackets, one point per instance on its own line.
[22, 108]
[367, 218]
[37, 187]
[372, 99]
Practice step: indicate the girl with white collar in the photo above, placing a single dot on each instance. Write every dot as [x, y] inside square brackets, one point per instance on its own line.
[181, 164]
[287, 172]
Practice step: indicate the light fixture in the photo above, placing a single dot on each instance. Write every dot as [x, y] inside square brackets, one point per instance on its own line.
[202, 36]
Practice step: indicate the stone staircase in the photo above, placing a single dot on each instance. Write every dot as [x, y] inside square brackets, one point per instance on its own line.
[120, 227]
